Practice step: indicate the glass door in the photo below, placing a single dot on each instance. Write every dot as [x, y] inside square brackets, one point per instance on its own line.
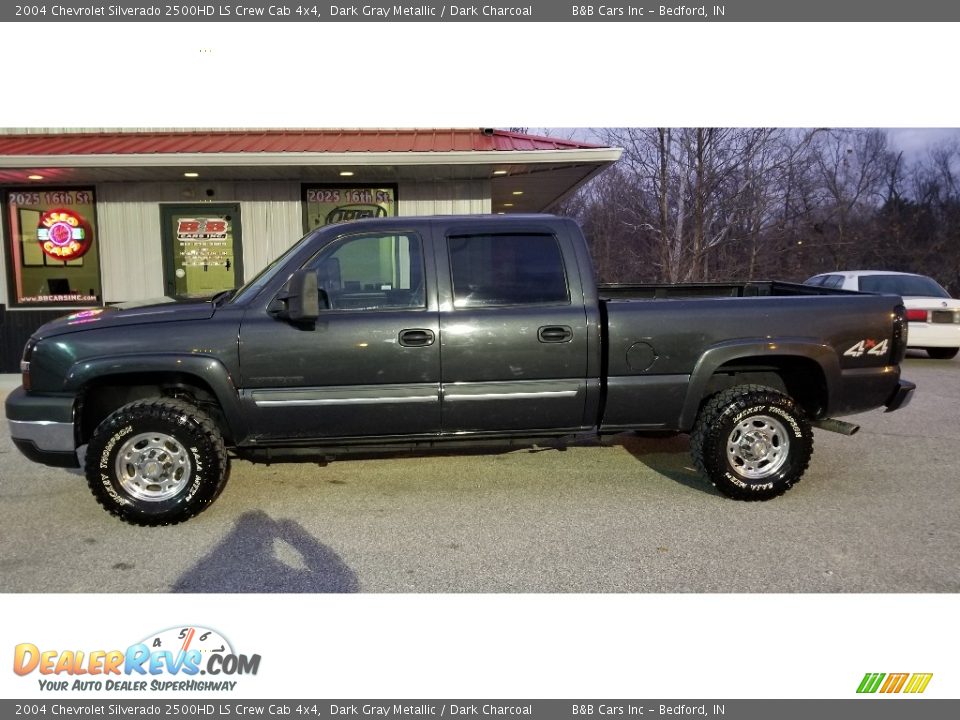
[202, 249]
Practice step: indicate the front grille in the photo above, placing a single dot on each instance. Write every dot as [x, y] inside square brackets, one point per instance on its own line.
[944, 316]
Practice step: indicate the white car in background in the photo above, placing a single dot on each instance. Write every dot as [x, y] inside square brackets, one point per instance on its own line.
[933, 316]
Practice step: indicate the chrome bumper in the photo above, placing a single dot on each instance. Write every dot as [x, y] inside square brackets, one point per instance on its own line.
[46, 435]
[42, 427]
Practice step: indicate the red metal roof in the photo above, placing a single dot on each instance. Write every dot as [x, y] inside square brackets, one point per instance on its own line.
[280, 141]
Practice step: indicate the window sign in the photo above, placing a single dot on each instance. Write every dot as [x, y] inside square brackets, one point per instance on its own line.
[202, 251]
[63, 234]
[52, 252]
[339, 203]
[205, 242]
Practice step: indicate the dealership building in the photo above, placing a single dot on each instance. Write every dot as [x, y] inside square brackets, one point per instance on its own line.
[95, 218]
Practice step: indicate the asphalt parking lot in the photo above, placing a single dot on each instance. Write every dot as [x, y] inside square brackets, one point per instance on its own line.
[877, 512]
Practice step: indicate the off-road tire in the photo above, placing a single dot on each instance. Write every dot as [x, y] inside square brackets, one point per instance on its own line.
[174, 471]
[752, 442]
[942, 353]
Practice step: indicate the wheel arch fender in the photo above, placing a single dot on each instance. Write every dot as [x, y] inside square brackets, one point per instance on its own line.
[764, 352]
[126, 368]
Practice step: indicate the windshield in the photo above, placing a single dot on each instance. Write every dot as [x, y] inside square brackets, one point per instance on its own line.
[905, 285]
[251, 288]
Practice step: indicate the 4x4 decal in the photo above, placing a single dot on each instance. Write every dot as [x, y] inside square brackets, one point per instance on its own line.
[868, 347]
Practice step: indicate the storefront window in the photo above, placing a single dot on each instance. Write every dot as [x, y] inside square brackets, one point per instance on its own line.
[328, 204]
[52, 250]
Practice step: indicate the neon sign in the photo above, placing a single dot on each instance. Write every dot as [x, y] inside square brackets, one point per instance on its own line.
[63, 234]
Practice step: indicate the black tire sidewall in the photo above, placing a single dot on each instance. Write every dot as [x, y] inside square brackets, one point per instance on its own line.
[725, 476]
[206, 461]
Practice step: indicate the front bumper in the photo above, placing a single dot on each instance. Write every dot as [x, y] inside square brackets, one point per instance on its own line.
[42, 428]
[901, 397]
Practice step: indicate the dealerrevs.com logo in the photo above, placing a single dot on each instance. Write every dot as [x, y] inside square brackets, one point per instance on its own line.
[176, 659]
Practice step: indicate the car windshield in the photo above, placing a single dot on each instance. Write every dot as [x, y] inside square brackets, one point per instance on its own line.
[251, 288]
[905, 285]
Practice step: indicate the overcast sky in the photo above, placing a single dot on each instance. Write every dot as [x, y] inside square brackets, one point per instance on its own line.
[914, 142]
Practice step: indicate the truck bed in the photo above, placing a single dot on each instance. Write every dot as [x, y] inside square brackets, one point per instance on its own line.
[656, 349]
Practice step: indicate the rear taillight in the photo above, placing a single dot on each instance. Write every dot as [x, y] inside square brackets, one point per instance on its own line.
[898, 345]
[917, 315]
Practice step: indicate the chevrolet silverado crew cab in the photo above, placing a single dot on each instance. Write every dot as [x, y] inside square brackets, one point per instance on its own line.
[447, 332]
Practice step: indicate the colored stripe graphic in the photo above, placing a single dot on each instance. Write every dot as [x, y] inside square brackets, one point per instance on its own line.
[870, 682]
[918, 683]
[895, 682]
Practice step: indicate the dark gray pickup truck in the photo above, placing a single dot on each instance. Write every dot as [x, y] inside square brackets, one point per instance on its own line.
[439, 333]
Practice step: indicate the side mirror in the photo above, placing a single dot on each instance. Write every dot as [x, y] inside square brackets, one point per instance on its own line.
[299, 302]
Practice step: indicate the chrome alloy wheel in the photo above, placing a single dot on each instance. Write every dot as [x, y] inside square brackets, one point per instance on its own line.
[153, 466]
[758, 447]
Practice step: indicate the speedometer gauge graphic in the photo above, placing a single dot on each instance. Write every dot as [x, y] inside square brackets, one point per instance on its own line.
[193, 637]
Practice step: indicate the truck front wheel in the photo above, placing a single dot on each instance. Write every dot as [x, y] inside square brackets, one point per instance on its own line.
[156, 462]
[752, 442]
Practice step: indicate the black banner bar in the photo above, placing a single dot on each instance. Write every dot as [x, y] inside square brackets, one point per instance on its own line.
[639, 11]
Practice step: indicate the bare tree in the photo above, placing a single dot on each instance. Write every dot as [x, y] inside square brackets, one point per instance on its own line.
[694, 204]
[852, 168]
[700, 189]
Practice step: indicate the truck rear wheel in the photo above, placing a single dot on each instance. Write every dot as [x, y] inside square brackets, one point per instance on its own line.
[942, 353]
[156, 462]
[752, 442]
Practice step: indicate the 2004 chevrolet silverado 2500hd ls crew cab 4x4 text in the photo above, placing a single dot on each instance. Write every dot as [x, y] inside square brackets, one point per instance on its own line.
[447, 332]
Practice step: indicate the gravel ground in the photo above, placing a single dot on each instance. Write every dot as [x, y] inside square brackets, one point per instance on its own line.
[877, 512]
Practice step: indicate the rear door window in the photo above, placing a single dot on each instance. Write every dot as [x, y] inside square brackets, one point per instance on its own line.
[494, 270]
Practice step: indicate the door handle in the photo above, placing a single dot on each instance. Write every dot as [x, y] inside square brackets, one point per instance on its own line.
[416, 338]
[555, 334]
